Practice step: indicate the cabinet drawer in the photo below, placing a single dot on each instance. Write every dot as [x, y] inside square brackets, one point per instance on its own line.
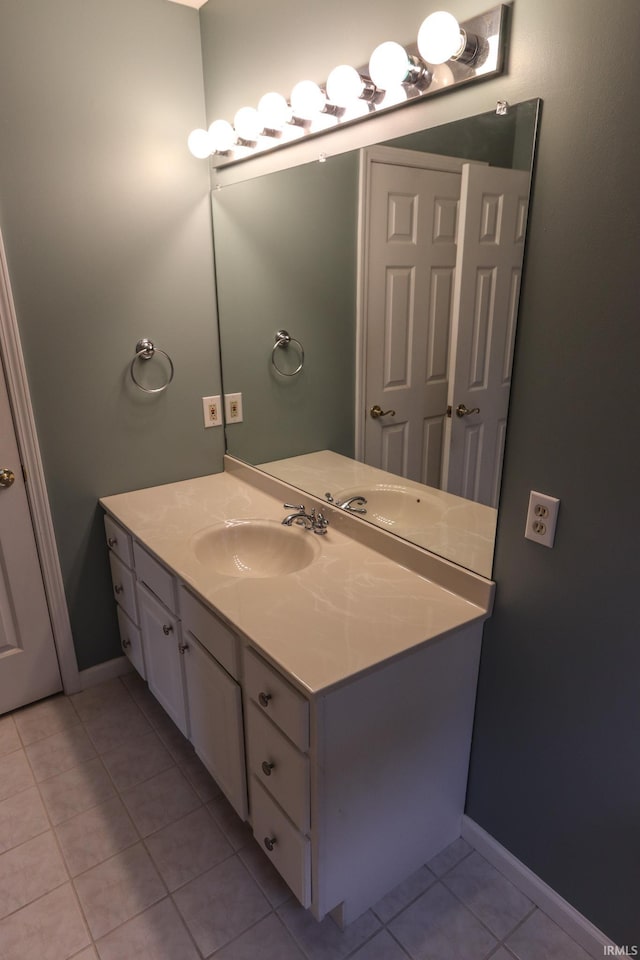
[279, 767]
[124, 586]
[118, 540]
[131, 642]
[288, 850]
[277, 699]
[155, 576]
[211, 632]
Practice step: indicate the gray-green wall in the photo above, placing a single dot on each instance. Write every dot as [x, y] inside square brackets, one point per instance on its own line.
[554, 772]
[106, 223]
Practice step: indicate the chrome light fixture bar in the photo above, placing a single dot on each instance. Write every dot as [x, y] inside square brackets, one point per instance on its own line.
[446, 55]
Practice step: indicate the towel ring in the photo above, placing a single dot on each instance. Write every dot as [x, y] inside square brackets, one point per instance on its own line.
[283, 339]
[145, 349]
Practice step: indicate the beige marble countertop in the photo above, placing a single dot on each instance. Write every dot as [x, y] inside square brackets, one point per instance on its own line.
[351, 609]
[460, 530]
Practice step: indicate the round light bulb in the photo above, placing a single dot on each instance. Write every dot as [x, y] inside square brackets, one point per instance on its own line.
[248, 123]
[307, 99]
[344, 85]
[439, 37]
[442, 76]
[389, 65]
[199, 143]
[221, 136]
[355, 110]
[392, 96]
[274, 111]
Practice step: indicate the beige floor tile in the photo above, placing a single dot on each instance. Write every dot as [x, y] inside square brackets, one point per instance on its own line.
[137, 759]
[539, 938]
[175, 742]
[15, 774]
[42, 719]
[200, 779]
[325, 940]
[438, 925]
[382, 947]
[489, 895]
[9, 739]
[95, 835]
[111, 729]
[264, 873]
[22, 817]
[220, 905]
[104, 698]
[76, 790]
[190, 846]
[157, 934]
[59, 752]
[268, 940]
[88, 954]
[449, 857]
[52, 928]
[404, 894]
[29, 871]
[159, 801]
[118, 889]
[235, 830]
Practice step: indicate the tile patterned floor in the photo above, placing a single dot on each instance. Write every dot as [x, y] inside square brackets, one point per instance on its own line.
[115, 843]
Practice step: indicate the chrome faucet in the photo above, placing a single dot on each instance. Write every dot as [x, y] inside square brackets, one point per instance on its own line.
[315, 520]
[348, 504]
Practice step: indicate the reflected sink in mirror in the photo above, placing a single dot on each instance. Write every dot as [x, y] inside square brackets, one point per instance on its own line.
[393, 505]
[254, 548]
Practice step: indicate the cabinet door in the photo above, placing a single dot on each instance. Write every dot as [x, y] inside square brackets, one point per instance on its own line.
[215, 714]
[163, 658]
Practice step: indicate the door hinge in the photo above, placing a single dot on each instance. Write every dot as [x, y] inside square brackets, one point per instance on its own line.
[449, 411]
[24, 472]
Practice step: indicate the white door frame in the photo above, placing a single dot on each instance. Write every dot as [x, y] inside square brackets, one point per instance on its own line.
[26, 434]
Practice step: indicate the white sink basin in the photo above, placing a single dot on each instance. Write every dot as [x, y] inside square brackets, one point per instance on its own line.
[390, 504]
[254, 548]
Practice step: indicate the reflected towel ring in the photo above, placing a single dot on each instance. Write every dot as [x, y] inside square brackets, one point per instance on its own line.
[283, 339]
[145, 349]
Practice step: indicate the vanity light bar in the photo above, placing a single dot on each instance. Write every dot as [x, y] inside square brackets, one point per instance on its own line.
[446, 55]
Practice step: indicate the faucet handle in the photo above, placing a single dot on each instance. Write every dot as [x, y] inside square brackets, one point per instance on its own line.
[294, 506]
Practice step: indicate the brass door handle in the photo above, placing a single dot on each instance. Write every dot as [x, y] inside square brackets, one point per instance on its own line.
[463, 411]
[377, 411]
[6, 477]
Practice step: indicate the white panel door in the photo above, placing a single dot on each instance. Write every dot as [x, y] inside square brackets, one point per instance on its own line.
[28, 662]
[410, 280]
[493, 215]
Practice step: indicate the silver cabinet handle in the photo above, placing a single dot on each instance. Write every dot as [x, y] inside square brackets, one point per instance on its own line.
[270, 843]
[264, 699]
[167, 629]
[126, 643]
[112, 541]
[377, 411]
[183, 647]
[463, 411]
[118, 588]
[267, 768]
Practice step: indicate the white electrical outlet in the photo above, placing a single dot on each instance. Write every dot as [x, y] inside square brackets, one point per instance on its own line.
[233, 407]
[542, 516]
[212, 410]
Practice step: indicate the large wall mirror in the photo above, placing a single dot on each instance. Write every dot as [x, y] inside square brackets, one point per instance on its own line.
[396, 271]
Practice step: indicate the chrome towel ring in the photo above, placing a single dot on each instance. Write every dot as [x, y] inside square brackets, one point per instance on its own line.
[145, 349]
[283, 339]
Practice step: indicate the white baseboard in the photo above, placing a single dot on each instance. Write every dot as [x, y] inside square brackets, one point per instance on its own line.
[104, 671]
[582, 930]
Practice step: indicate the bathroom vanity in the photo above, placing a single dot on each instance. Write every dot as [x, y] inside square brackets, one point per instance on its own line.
[327, 683]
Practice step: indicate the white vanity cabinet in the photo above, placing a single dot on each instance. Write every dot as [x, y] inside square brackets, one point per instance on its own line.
[124, 591]
[163, 654]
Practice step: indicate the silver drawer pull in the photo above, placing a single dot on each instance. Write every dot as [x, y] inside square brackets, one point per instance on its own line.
[267, 768]
[270, 843]
[112, 541]
[183, 647]
[264, 699]
[118, 588]
[167, 629]
[126, 643]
